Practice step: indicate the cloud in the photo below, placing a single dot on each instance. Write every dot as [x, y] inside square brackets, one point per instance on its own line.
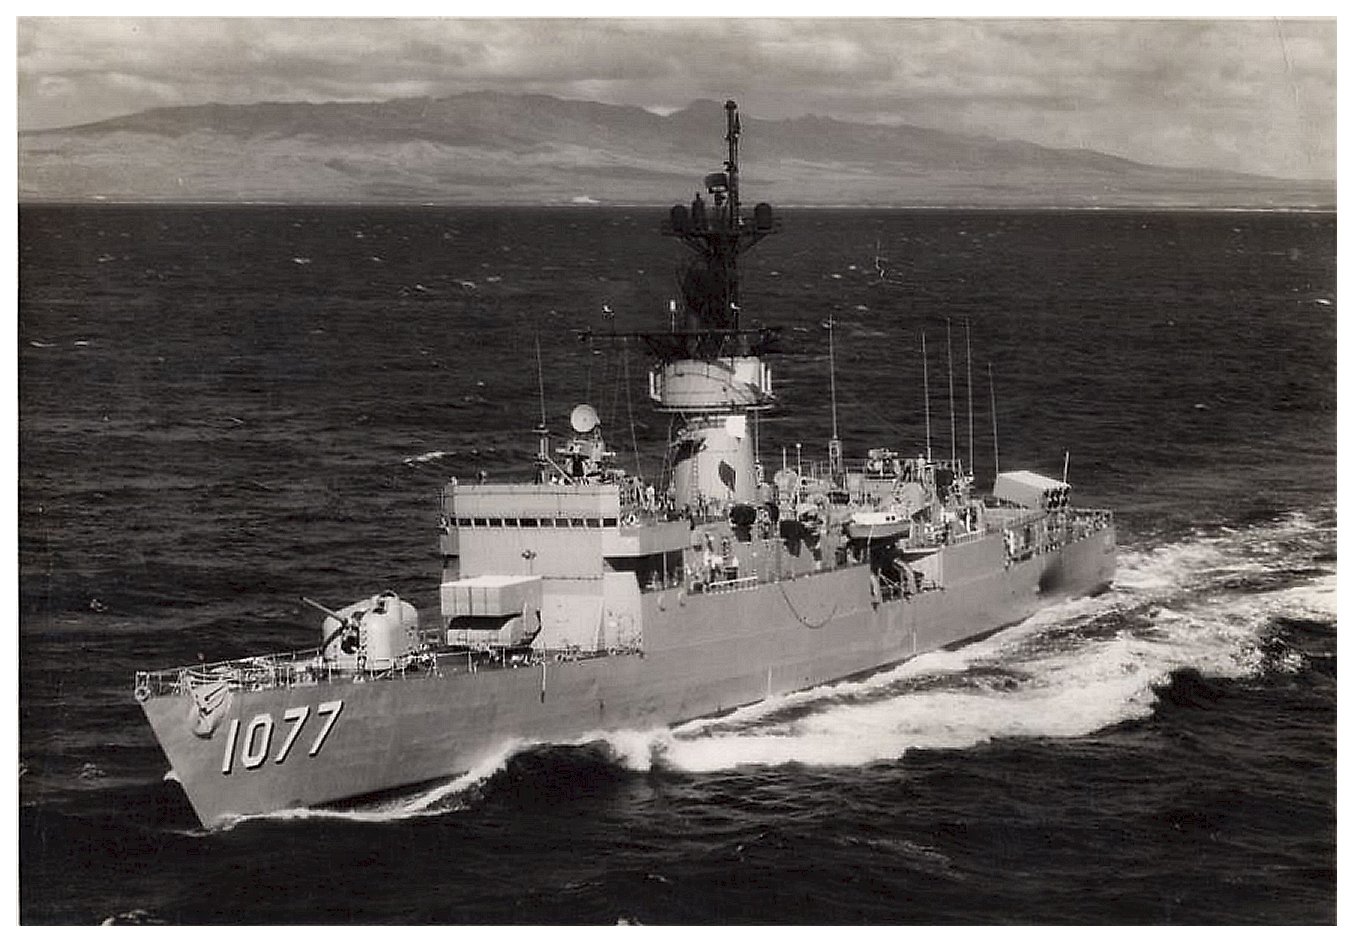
[1241, 94]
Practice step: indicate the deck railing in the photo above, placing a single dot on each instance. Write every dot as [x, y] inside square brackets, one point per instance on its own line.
[307, 668]
[727, 585]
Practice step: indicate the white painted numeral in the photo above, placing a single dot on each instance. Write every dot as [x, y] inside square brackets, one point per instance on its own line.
[231, 738]
[330, 709]
[255, 746]
[297, 717]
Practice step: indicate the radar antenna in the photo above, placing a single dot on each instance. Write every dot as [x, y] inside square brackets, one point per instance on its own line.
[717, 233]
[583, 419]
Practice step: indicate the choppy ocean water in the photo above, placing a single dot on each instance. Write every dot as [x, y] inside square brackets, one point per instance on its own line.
[222, 409]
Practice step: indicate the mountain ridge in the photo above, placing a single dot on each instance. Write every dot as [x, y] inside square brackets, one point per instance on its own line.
[492, 147]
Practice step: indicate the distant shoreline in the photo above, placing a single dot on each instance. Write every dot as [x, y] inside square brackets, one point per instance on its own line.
[659, 207]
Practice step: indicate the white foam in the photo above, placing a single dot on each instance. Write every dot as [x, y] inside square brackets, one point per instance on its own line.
[458, 786]
[632, 749]
[1317, 598]
[1209, 555]
[1057, 682]
[1069, 696]
[425, 457]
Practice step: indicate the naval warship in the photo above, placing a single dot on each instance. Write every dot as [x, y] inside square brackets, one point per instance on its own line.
[588, 599]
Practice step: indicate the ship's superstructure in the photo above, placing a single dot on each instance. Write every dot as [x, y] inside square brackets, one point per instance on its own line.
[589, 598]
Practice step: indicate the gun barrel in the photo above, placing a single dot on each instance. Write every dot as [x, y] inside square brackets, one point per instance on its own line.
[323, 608]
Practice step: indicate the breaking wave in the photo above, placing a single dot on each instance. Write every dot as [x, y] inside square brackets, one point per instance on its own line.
[453, 795]
[1205, 605]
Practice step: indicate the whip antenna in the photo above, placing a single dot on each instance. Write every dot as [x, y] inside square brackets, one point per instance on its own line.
[540, 380]
[629, 408]
[972, 462]
[834, 446]
[995, 442]
[925, 375]
[542, 433]
[949, 353]
[831, 367]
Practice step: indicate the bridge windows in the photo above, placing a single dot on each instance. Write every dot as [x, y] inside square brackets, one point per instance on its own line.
[532, 523]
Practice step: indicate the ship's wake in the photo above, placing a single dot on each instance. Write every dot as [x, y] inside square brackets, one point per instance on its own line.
[1207, 604]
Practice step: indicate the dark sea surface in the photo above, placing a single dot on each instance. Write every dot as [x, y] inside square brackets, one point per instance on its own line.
[223, 409]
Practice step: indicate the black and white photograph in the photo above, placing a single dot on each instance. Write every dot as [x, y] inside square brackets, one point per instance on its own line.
[667, 470]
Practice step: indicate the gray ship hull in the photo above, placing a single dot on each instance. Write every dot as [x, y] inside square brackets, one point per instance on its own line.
[312, 744]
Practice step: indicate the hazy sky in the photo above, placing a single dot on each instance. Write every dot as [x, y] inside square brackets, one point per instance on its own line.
[1255, 95]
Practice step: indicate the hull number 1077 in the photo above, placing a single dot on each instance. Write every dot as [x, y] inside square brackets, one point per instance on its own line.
[255, 743]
